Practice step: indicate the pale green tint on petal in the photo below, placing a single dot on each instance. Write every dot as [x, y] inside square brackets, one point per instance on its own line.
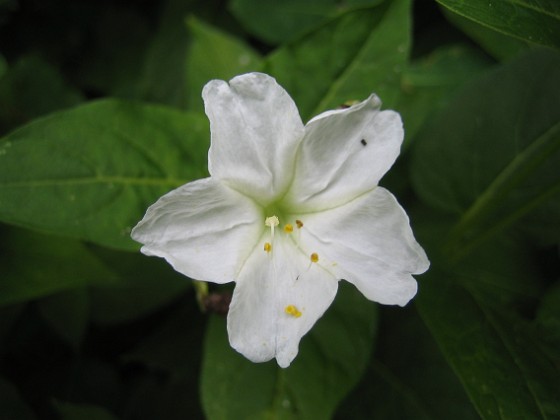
[369, 243]
[204, 229]
[256, 130]
[258, 325]
[344, 153]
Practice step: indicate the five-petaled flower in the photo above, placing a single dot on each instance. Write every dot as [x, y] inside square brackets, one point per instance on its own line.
[287, 212]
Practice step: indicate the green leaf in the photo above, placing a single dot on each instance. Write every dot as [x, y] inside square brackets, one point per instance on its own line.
[70, 411]
[175, 346]
[276, 22]
[492, 156]
[12, 406]
[359, 53]
[429, 83]
[144, 285]
[535, 21]
[500, 46]
[67, 314]
[548, 315]
[331, 360]
[98, 167]
[395, 385]
[31, 88]
[214, 55]
[35, 266]
[498, 356]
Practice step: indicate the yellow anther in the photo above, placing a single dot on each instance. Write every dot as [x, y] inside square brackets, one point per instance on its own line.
[299, 224]
[288, 228]
[314, 257]
[267, 247]
[293, 311]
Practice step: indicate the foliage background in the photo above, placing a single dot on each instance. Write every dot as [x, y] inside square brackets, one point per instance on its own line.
[100, 114]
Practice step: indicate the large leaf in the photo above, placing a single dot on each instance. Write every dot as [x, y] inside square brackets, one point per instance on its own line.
[280, 21]
[395, 386]
[492, 156]
[331, 360]
[144, 285]
[499, 357]
[359, 53]
[35, 266]
[497, 44]
[91, 172]
[536, 21]
[429, 82]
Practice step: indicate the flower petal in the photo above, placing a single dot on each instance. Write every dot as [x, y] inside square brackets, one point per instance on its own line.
[205, 230]
[369, 243]
[345, 153]
[277, 299]
[256, 129]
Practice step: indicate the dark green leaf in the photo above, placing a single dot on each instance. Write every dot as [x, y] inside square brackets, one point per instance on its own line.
[70, 411]
[429, 82]
[408, 378]
[31, 88]
[332, 358]
[144, 285]
[498, 45]
[175, 346]
[535, 21]
[68, 314]
[35, 266]
[91, 172]
[359, 53]
[214, 55]
[12, 406]
[474, 162]
[279, 21]
[497, 355]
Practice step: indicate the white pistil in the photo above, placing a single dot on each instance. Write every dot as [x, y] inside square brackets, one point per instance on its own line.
[271, 222]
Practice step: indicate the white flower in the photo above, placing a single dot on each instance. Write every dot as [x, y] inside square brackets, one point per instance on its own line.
[288, 211]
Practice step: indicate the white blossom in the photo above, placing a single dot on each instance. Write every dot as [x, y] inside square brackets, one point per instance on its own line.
[288, 211]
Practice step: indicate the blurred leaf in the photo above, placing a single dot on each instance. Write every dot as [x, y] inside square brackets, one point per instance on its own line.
[498, 45]
[111, 64]
[276, 22]
[497, 355]
[429, 82]
[12, 406]
[162, 76]
[548, 316]
[35, 266]
[395, 386]
[96, 168]
[214, 54]
[31, 88]
[68, 314]
[331, 360]
[70, 411]
[145, 284]
[535, 21]
[174, 347]
[358, 53]
[492, 155]
[152, 397]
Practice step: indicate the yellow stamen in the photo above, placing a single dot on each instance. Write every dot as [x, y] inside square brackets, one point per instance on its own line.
[293, 311]
[299, 224]
[267, 247]
[288, 228]
[314, 257]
